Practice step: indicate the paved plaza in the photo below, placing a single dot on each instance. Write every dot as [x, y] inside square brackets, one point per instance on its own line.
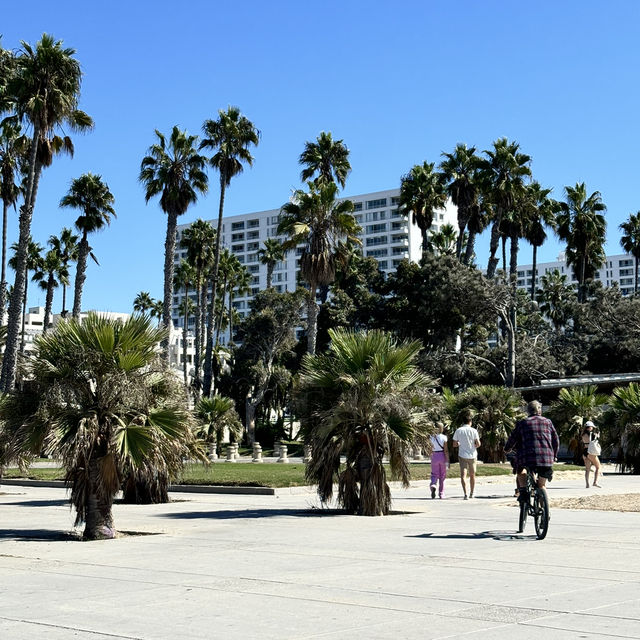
[247, 566]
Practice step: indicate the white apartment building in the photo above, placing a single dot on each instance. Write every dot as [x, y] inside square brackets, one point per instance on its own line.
[386, 236]
[617, 269]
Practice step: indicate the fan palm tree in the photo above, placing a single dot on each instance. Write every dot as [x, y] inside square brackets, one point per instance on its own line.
[98, 403]
[228, 265]
[556, 298]
[325, 160]
[92, 197]
[239, 283]
[157, 311]
[199, 239]
[444, 242]
[540, 213]
[48, 274]
[460, 175]
[625, 405]
[66, 244]
[574, 406]
[44, 91]
[13, 147]
[502, 174]
[422, 192]
[319, 222]
[230, 138]
[143, 302]
[218, 419]
[272, 253]
[581, 224]
[34, 251]
[630, 242]
[173, 170]
[361, 400]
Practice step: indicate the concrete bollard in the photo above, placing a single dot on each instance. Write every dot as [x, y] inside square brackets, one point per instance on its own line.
[307, 454]
[283, 454]
[256, 456]
[230, 450]
[417, 454]
[236, 454]
[213, 451]
[276, 448]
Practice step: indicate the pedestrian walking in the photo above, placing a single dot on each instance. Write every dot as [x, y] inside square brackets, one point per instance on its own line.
[439, 461]
[467, 440]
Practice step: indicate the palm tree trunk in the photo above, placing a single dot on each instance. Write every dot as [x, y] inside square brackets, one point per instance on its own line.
[230, 314]
[635, 281]
[493, 248]
[63, 313]
[463, 219]
[425, 242]
[185, 329]
[513, 256]
[471, 241]
[312, 320]
[3, 275]
[48, 303]
[99, 517]
[24, 309]
[503, 242]
[169, 251]
[208, 370]
[7, 379]
[197, 384]
[208, 379]
[81, 268]
[534, 269]
[270, 267]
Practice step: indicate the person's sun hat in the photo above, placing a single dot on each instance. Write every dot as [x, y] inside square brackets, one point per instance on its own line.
[588, 423]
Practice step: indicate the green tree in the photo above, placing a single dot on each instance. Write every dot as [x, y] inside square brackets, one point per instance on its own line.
[173, 170]
[98, 404]
[460, 174]
[183, 277]
[230, 138]
[502, 173]
[143, 302]
[270, 255]
[319, 222]
[92, 197]
[630, 242]
[66, 245]
[625, 406]
[49, 272]
[326, 160]
[444, 242]
[556, 299]
[581, 224]
[238, 283]
[217, 418]
[362, 400]
[43, 91]
[422, 192]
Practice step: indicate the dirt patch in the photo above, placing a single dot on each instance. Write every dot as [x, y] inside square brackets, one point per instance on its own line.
[620, 502]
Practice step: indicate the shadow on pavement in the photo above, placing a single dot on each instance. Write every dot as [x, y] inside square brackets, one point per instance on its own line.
[37, 535]
[41, 503]
[495, 535]
[266, 513]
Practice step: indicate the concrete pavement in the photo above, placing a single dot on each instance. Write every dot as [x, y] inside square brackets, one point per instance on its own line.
[229, 566]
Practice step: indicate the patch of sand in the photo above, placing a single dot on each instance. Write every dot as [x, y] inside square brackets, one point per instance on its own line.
[620, 502]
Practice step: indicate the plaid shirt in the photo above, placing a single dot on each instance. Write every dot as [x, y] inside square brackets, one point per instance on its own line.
[535, 441]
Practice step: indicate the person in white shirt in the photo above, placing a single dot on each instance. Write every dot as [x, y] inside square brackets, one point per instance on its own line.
[439, 461]
[467, 440]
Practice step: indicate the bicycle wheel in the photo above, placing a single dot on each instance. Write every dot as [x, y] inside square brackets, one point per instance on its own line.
[524, 507]
[541, 516]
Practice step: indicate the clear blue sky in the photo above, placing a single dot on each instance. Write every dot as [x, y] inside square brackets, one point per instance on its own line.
[399, 82]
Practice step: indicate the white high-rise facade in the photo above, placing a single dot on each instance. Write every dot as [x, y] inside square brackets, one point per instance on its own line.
[386, 236]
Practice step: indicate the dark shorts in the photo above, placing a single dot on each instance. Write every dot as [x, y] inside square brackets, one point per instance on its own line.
[543, 472]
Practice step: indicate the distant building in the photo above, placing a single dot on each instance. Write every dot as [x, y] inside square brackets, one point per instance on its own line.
[386, 236]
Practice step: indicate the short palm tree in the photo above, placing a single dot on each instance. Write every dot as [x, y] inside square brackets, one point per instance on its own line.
[319, 222]
[92, 197]
[98, 403]
[625, 405]
[422, 193]
[173, 170]
[630, 242]
[49, 273]
[44, 92]
[66, 244]
[230, 139]
[325, 160]
[362, 400]
[217, 418]
[272, 253]
[582, 225]
[574, 406]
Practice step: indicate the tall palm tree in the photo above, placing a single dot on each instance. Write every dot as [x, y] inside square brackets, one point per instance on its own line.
[174, 170]
[540, 213]
[34, 251]
[184, 276]
[556, 298]
[91, 195]
[199, 239]
[143, 302]
[44, 91]
[362, 400]
[49, 272]
[228, 264]
[422, 193]
[239, 284]
[325, 160]
[319, 222]
[272, 253]
[630, 242]
[98, 403]
[66, 244]
[502, 173]
[460, 174]
[13, 147]
[230, 138]
[582, 225]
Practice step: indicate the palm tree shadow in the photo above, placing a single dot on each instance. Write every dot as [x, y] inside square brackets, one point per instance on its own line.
[42, 503]
[38, 535]
[503, 536]
[251, 514]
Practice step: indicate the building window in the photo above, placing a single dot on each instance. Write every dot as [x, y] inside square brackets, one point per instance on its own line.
[397, 226]
[237, 237]
[398, 251]
[625, 263]
[376, 204]
[377, 253]
[377, 228]
[236, 226]
[253, 246]
[253, 235]
[376, 240]
[252, 257]
[382, 264]
[395, 200]
[395, 213]
[274, 220]
[357, 206]
[253, 268]
[252, 224]
[237, 248]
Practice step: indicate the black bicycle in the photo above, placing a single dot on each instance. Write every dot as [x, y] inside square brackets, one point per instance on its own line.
[535, 505]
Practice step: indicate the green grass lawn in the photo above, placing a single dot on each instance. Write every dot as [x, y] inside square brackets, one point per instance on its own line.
[267, 475]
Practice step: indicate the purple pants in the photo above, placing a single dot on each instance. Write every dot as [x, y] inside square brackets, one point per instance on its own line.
[438, 471]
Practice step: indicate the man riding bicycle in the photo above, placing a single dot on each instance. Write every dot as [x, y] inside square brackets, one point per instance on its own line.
[536, 443]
